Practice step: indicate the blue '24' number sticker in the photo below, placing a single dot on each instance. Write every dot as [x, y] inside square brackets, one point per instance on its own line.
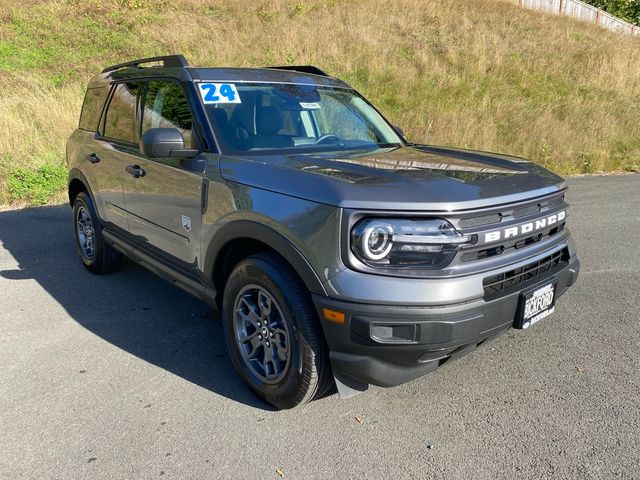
[219, 93]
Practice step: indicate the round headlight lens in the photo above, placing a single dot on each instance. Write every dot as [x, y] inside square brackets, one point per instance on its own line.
[377, 241]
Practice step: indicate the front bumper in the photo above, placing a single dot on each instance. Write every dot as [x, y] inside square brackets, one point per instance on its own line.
[388, 345]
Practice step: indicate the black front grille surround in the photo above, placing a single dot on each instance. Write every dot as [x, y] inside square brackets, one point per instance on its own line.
[491, 251]
[496, 286]
[504, 217]
[500, 215]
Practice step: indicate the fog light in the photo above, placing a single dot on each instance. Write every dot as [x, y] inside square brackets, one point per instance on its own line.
[394, 333]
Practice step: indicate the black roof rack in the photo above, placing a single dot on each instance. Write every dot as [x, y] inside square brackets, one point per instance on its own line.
[176, 61]
[303, 69]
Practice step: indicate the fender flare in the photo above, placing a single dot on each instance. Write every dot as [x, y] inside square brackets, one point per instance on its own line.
[252, 230]
[76, 174]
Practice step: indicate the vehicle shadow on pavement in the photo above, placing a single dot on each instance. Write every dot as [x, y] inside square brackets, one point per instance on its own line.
[131, 308]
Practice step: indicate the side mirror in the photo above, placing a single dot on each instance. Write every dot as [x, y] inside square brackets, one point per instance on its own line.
[165, 142]
[398, 130]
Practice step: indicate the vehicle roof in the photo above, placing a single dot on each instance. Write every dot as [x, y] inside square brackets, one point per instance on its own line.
[271, 75]
[221, 74]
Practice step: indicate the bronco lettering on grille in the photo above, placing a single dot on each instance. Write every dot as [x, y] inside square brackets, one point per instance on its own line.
[524, 228]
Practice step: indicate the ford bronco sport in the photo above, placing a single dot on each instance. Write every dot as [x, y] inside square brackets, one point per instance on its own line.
[335, 250]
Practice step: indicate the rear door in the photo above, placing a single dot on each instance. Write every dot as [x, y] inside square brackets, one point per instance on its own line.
[164, 205]
[112, 149]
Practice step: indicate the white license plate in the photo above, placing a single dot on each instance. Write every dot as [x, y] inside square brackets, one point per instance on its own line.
[536, 305]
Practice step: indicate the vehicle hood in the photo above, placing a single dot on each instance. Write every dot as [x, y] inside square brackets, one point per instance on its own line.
[420, 178]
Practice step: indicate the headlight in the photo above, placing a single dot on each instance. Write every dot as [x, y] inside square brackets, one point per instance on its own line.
[400, 243]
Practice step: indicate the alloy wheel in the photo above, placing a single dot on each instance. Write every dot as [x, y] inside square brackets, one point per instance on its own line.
[85, 232]
[262, 334]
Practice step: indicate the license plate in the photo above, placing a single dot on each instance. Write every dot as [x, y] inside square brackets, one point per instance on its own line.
[536, 305]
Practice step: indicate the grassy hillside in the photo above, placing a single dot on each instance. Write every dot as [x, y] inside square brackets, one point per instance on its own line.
[480, 74]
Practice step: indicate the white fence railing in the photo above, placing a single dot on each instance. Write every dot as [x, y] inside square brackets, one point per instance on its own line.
[582, 11]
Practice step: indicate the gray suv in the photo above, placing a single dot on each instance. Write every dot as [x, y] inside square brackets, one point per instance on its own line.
[337, 252]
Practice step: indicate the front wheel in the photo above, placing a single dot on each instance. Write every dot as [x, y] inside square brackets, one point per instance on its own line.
[273, 333]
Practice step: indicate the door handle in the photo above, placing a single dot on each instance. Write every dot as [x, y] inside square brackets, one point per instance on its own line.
[136, 171]
[93, 158]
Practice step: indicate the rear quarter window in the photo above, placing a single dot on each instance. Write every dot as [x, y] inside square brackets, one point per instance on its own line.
[92, 108]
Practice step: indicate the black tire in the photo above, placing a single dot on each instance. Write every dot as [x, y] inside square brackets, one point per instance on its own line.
[103, 259]
[308, 375]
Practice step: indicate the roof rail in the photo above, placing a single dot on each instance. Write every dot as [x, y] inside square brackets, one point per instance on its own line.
[176, 61]
[303, 69]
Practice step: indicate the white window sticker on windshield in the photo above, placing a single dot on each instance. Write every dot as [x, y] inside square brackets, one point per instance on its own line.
[310, 106]
[219, 93]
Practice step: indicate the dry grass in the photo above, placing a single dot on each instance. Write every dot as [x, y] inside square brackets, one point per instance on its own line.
[480, 74]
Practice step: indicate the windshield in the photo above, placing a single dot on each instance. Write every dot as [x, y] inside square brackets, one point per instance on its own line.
[267, 117]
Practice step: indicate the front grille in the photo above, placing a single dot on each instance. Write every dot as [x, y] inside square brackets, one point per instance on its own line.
[554, 202]
[488, 252]
[526, 211]
[513, 280]
[507, 214]
[470, 222]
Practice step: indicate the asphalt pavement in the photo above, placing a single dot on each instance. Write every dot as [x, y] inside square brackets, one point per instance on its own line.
[126, 377]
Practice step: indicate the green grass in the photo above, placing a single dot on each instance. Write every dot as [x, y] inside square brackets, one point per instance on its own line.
[39, 186]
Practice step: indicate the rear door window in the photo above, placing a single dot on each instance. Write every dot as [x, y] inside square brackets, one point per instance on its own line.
[120, 120]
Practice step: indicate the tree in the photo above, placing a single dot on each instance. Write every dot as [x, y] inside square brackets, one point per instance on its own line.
[628, 10]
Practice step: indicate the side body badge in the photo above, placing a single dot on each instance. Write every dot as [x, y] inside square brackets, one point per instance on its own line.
[186, 223]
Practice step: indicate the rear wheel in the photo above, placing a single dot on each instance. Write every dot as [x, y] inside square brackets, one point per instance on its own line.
[273, 334]
[96, 255]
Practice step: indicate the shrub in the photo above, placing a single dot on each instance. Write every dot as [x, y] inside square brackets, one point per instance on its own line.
[36, 187]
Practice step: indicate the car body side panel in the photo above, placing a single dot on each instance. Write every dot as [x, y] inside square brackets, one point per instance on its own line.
[163, 207]
[310, 228]
[109, 190]
[104, 177]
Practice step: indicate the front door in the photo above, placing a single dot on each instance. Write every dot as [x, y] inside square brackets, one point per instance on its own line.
[164, 204]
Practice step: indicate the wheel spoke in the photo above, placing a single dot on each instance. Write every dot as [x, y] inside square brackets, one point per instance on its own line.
[265, 366]
[264, 302]
[279, 333]
[255, 346]
[250, 314]
[282, 352]
[277, 363]
[270, 360]
[246, 317]
[248, 337]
